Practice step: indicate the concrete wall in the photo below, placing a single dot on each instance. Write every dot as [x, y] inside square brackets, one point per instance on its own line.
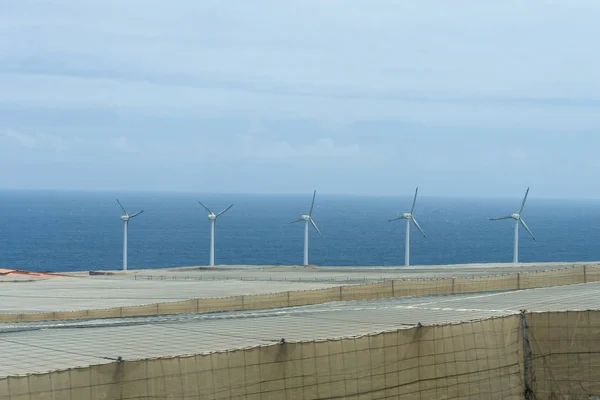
[479, 360]
[387, 289]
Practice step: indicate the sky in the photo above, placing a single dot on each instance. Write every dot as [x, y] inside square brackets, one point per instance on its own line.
[462, 98]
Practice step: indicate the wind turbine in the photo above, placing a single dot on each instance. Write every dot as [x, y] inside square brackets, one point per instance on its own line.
[126, 218]
[518, 219]
[409, 217]
[308, 219]
[213, 218]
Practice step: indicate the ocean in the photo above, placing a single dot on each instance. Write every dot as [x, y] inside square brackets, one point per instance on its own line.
[72, 231]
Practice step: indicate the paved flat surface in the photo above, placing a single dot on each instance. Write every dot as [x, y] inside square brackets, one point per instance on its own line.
[334, 274]
[84, 292]
[44, 346]
[71, 294]
[4, 279]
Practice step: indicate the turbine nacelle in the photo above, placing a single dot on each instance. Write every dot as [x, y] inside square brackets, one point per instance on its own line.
[516, 216]
[126, 217]
[407, 216]
[211, 215]
[308, 217]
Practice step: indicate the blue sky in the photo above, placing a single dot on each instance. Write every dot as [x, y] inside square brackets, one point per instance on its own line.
[463, 98]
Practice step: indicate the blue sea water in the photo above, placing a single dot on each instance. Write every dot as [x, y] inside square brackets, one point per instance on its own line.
[69, 231]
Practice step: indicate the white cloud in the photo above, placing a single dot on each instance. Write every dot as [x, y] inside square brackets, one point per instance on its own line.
[254, 150]
[340, 60]
[321, 151]
[38, 140]
[19, 138]
[390, 88]
[179, 101]
[121, 143]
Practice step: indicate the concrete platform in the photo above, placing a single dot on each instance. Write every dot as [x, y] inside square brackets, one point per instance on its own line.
[84, 293]
[45, 346]
[81, 291]
[339, 274]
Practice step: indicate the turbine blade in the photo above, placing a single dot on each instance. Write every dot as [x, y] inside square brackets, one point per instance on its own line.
[298, 220]
[315, 226]
[224, 211]
[499, 218]
[396, 219]
[136, 214]
[527, 229]
[122, 208]
[418, 227]
[313, 204]
[524, 200]
[414, 201]
[206, 208]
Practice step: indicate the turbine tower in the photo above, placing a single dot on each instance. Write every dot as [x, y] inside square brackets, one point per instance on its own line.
[126, 218]
[518, 220]
[409, 217]
[308, 219]
[213, 219]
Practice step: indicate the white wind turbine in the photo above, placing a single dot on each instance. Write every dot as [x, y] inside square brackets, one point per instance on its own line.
[518, 219]
[213, 218]
[126, 218]
[409, 217]
[308, 219]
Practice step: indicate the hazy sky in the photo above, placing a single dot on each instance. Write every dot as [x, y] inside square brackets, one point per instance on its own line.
[358, 97]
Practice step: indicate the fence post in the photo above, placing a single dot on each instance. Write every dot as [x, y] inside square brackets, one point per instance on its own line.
[518, 281]
[584, 273]
[527, 357]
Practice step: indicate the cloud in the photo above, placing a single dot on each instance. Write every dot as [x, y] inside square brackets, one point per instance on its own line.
[121, 143]
[428, 91]
[356, 61]
[38, 140]
[150, 99]
[19, 138]
[267, 149]
[322, 151]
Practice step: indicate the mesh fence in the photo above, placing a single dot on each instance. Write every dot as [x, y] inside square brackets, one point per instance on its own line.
[386, 289]
[565, 355]
[551, 355]
[479, 360]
